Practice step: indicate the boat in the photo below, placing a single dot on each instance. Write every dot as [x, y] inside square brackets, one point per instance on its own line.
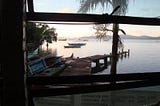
[72, 46]
[62, 39]
[50, 66]
[77, 44]
[33, 53]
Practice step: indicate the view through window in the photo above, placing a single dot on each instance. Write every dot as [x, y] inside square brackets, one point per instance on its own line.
[74, 49]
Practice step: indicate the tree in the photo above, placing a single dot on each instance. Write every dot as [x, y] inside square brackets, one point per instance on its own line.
[86, 5]
[37, 33]
[49, 35]
[101, 31]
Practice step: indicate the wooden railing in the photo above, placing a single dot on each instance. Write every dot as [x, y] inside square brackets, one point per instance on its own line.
[83, 84]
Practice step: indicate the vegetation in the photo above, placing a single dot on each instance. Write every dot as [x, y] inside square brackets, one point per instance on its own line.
[37, 33]
[102, 30]
[86, 5]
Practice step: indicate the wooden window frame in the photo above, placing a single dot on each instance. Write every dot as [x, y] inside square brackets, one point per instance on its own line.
[87, 83]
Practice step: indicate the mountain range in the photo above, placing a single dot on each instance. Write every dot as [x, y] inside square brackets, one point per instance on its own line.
[125, 37]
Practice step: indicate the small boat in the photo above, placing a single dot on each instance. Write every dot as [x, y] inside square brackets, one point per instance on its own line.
[62, 39]
[72, 46]
[77, 44]
[32, 54]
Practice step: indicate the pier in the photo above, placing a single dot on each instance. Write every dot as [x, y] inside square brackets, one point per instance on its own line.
[83, 66]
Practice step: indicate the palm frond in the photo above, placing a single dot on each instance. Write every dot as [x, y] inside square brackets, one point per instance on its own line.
[87, 5]
[123, 6]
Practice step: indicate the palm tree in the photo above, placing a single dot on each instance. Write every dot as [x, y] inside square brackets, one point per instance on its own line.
[86, 5]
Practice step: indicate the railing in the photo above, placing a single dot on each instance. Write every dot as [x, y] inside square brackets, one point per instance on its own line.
[83, 84]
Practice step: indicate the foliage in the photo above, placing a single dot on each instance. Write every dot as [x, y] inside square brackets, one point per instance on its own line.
[101, 31]
[36, 33]
[87, 5]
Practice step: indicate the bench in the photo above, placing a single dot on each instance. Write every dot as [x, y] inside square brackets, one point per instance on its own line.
[41, 67]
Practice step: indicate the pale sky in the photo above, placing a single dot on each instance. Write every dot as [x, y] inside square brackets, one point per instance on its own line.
[140, 8]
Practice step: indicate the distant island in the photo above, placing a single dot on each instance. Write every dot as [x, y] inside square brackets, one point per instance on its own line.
[126, 37]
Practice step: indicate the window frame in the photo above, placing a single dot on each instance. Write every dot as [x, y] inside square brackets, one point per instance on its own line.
[111, 82]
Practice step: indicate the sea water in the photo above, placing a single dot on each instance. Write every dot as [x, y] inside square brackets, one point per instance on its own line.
[144, 54]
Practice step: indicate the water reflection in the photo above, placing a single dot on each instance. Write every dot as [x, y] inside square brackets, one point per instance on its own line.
[51, 51]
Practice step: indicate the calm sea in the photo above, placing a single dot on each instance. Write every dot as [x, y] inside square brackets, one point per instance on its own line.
[144, 54]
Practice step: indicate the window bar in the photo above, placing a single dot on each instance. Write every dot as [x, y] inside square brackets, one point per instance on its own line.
[95, 18]
[30, 6]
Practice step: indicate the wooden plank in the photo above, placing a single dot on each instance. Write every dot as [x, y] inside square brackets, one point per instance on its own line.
[91, 88]
[76, 67]
[92, 78]
[94, 18]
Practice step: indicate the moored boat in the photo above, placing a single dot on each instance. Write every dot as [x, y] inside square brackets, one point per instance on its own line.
[78, 44]
[72, 46]
[62, 39]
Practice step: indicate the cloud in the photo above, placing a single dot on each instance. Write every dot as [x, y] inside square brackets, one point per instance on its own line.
[65, 10]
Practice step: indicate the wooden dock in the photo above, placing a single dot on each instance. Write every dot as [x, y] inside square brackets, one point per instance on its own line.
[82, 66]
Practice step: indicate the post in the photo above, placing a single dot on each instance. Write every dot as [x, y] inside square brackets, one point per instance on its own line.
[105, 61]
[12, 57]
[122, 50]
[128, 52]
[97, 64]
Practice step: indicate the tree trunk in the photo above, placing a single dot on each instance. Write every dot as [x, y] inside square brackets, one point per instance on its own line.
[114, 49]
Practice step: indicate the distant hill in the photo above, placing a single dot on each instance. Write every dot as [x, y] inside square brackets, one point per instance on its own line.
[88, 37]
[138, 37]
[125, 37]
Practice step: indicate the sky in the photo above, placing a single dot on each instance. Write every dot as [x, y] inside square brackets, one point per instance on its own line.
[140, 8]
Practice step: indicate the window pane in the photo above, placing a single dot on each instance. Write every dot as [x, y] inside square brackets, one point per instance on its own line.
[142, 8]
[141, 41]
